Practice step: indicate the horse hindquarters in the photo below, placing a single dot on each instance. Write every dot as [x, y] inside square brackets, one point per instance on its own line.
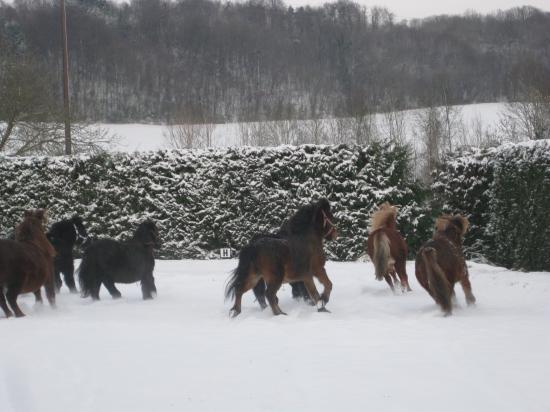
[89, 275]
[438, 285]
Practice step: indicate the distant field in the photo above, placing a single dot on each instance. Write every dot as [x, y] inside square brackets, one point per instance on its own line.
[144, 137]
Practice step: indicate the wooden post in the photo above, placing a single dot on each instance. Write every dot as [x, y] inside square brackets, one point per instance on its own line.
[66, 104]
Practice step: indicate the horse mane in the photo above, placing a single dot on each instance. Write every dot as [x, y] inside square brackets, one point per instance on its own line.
[306, 218]
[31, 230]
[458, 222]
[384, 217]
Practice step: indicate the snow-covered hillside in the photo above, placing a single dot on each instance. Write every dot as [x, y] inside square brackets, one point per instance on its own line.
[143, 137]
[375, 352]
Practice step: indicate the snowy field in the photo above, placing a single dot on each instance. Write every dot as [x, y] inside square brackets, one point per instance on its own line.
[144, 137]
[375, 352]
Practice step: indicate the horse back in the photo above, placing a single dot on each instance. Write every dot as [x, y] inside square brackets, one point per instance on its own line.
[126, 262]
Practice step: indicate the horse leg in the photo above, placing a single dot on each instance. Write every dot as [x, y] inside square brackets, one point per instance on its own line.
[3, 303]
[274, 282]
[49, 285]
[110, 285]
[401, 269]
[57, 275]
[94, 290]
[467, 288]
[68, 275]
[38, 296]
[388, 279]
[259, 292]
[321, 274]
[11, 295]
[315, 298]
[148, 288]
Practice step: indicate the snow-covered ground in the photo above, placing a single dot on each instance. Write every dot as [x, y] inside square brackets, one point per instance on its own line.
[375, 352]
[144, 137]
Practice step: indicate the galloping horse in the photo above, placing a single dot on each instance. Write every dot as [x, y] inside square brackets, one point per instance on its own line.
[63, 236]
[298, 256]
[108, 261]
[440, 262]
[26, 264]
[387, 248]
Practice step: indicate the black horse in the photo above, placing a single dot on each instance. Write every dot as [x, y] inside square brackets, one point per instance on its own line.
[64, 235]
[109, 261]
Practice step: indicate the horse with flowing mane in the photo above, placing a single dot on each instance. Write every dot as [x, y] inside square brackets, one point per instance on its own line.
[108, 261]
[64, 235]
[387, 248]
[296, 256]
[26, 263]
[440, 262]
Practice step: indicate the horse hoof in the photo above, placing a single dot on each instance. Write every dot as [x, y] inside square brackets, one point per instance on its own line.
[72, 290]
[281, 313]
[19, 315]
[323, 309]
[234, 313]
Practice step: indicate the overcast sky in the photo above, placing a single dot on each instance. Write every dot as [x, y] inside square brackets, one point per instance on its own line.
[409, 9]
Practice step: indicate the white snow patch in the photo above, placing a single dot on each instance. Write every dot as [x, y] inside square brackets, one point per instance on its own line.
[375, 352]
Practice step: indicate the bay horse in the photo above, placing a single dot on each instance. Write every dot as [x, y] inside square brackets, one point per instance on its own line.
[296, 256]
[26, 263]
[64, 235]
[387, 248]
[108, 261]
[440, 262]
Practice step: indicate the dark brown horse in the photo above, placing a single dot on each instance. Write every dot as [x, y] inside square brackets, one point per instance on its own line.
[440, 262]
[26, 264]
[299, 256]
[387, 248]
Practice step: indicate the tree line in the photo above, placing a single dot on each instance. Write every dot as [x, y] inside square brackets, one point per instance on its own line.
[203, 61]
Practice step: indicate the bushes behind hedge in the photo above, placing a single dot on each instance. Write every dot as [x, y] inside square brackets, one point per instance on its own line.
[505, 192]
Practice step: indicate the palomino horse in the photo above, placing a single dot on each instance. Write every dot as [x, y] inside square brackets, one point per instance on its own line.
[26, 264]
[440, 262]
[387, 248]
[298, 256]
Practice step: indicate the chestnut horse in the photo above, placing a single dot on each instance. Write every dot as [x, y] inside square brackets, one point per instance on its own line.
[440, 262]
[387, 248]
[298, 256]
[26, 264]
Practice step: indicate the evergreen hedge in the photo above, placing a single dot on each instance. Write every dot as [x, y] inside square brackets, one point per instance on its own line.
[203, 200]
[505, 192]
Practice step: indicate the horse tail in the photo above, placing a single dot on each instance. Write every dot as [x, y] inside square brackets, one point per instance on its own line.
[87, 274]
[381, 254]
[438, 283]
[240, 274]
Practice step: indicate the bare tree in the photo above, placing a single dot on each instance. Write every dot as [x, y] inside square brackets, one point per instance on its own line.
[33, 125]
[429, 130]
[527, 120]
[183, 136]
[312, 131]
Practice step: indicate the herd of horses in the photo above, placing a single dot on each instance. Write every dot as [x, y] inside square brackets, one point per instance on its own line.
[36, 258]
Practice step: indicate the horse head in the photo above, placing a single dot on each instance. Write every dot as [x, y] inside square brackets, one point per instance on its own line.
[324, 214]
[453, 227]
[80, 231]
[147, 234]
